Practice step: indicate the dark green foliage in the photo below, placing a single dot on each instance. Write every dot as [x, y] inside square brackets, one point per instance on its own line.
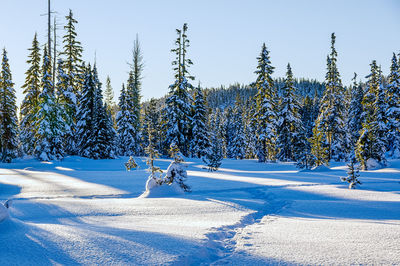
[352, 174]
[8, 113]
[30, 104]
[178, 103]
[200, 141]
[331, 119]
[73, 81]
[49, 122]
[265, 112]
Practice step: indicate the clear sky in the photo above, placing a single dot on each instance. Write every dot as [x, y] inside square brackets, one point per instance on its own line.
[226, 36]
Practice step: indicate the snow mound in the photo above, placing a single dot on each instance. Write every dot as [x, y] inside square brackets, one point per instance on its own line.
[373, 164]
[321, 168]
[163, 191]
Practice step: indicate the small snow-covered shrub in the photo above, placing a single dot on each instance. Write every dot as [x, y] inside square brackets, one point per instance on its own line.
[352, 174]
[176, 171]
[373, 164]
[155, 178]
[130, 164]
[214, 156]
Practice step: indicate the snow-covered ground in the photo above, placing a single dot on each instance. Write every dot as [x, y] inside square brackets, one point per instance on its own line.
[82, 211]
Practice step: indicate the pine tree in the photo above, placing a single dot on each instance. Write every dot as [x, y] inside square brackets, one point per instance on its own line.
[123, 126]
[200, 142]
[214, 155]
[30, 104]
[8, 113]
[103, 130]
[352, 174]
[355, 111]
[265, 108]
[290, 141]
[331, 119]
[109, 101]
[152, 153]
[176, 171]
[178, 103]
[86, 113]
[74, 80]
[370, 145]
[50, 125]
[132, 116]
[238, 138]
[393, 109]
[109, 94]
[319, 148]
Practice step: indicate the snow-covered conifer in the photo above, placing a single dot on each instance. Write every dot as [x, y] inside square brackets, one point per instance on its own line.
[122, 123]
[214, 155]
[370, 144]
[331, 119]
[132, 114]
[50, 124]
[200, 141]
[74, 71]
[352, 174]
[393, 109]
[30, 104]
[290, 141]
[176, 171]
[8, 113]
[265, 112]
[355, 111]
[178, 102]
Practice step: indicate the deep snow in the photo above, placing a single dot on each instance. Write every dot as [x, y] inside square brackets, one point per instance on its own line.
[82, 211]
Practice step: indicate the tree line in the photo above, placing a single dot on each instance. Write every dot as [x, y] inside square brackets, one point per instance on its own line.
[285, 119]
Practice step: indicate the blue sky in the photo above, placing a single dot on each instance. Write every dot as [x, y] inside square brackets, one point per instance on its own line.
[226, 36]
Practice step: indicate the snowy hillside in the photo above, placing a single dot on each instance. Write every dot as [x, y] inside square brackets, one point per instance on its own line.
[88, 212]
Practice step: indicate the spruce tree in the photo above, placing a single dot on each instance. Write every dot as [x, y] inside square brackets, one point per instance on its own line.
[176, 171]
[72, 54]
[265, 112]
[331, 119]
[355, 111]
[370, 144]
[319, 148]
[151, 120]
[132, 116]
[200, 142]
[178, 102]
[86, 113]
[214, 155]
[103, 130]
[109, 100]
[352, 174]
[8, 113]
[123, 126]
[30, 104]
[152, 153]
[94, 128]
[50, 125]
[290, 141]
[393, 109]
[250, 131]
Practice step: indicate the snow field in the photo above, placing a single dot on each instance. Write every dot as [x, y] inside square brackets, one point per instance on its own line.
[82, 211]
